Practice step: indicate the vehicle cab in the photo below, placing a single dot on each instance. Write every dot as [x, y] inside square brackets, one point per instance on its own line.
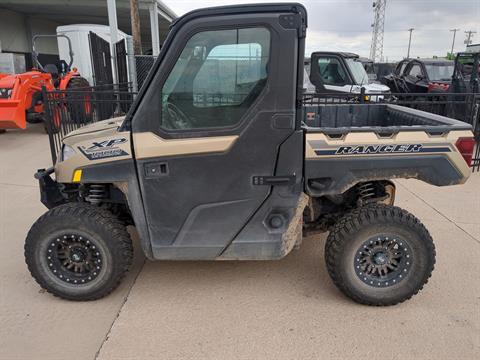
[424, 75]
[340, 72]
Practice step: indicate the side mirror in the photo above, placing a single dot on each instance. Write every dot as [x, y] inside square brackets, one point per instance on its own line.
[420, 76]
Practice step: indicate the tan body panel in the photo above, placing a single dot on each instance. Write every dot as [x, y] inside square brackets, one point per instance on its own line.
[401, 138]
[64, 169]
[149, 145]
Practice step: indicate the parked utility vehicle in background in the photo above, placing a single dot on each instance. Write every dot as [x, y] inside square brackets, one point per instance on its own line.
[376, 71]
[466, 75]
[214, 162]
[421, 76]
[340, 72]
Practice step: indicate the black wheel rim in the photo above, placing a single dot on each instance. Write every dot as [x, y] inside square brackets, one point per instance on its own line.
[383, 261]
[74, 259]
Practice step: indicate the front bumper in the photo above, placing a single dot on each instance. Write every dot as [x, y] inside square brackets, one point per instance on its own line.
[50, 194]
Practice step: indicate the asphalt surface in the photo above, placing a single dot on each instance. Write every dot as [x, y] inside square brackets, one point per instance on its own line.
[286, 309]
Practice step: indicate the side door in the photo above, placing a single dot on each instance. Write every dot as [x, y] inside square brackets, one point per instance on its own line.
[210, 125]
[416, 77]
[400, 69]
[329, 74]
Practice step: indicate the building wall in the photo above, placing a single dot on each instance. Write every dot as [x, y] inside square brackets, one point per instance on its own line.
[16, 31]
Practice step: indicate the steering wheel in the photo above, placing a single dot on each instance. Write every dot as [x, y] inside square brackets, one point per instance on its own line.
[62, 66]
[176, 118]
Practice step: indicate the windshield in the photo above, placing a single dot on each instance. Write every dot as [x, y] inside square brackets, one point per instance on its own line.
[439, 72]
[368, 66]
[358, 71]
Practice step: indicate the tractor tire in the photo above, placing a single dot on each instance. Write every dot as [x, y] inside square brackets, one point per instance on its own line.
[379, 255]
[79, 105]
[78, 252]
[36, 120]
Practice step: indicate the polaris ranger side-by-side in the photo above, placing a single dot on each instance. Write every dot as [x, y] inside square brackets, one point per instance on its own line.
[214, 162]
[340, 72]
[420, 76]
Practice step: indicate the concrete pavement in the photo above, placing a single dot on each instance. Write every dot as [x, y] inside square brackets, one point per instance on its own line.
[286, 309]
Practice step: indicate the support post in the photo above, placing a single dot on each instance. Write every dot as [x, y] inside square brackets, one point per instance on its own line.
[112, 22]
[154, 28]
[135, 22]
[132, 65]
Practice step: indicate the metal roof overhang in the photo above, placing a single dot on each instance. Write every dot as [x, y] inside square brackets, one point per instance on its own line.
[67, 12]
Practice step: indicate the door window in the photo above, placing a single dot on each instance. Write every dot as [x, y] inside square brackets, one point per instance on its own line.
[216, 79]
[401, 69]
[415, 70]
[332, 71]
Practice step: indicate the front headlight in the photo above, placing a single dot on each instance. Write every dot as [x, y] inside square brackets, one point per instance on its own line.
[67, 152]
[5, 93]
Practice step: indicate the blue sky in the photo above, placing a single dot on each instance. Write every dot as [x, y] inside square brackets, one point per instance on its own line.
[344, 25]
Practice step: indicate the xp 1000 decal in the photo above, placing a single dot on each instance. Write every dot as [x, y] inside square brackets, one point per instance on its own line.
[104, 149]
[322, 149]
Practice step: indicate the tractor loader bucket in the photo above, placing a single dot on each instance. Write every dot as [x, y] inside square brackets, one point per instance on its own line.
[12, 114]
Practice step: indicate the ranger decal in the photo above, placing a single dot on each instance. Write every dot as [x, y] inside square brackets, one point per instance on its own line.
[381, 149]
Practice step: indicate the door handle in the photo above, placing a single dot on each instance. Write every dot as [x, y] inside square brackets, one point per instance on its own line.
[155, 170]
[274, 180]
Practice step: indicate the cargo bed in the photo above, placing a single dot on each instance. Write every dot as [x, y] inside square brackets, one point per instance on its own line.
[380, 118]
[350, 143]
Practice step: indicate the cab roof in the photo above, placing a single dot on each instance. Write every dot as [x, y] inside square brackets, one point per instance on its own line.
[430, 61]
[243, 9]
[338, 53]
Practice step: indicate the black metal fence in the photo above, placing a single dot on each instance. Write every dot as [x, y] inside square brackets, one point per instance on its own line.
[463, 107]
[69, 110]
[143, 65]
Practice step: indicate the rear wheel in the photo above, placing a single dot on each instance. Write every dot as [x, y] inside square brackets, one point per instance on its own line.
[79, 101]
[78, 252]
[379, 255]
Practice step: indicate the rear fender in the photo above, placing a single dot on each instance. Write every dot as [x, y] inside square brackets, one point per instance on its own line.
[66, 79]
[334, 165]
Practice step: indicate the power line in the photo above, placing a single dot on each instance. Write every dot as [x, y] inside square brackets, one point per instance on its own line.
[376, 49]
[469, 34]
[409, 41]
[453, 41]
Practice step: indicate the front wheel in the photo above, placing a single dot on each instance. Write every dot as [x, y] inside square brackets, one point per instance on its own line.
[379, 255]
[78, 251]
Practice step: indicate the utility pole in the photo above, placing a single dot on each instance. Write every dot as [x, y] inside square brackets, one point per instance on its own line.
[135, 21]
[409, 41]
[112, 22]
[469, 34]
[376, 48]
[453, 42]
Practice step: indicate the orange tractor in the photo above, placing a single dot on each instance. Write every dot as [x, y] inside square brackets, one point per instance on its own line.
[21, 94]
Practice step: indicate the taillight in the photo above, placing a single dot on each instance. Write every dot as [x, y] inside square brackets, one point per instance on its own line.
[465, 146]
[437, 86]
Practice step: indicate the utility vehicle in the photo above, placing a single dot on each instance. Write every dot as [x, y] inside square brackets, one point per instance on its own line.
[20, 94]
[421, 76]
[214, 162]
[340, 72]
[376, 71]
[466, 75]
